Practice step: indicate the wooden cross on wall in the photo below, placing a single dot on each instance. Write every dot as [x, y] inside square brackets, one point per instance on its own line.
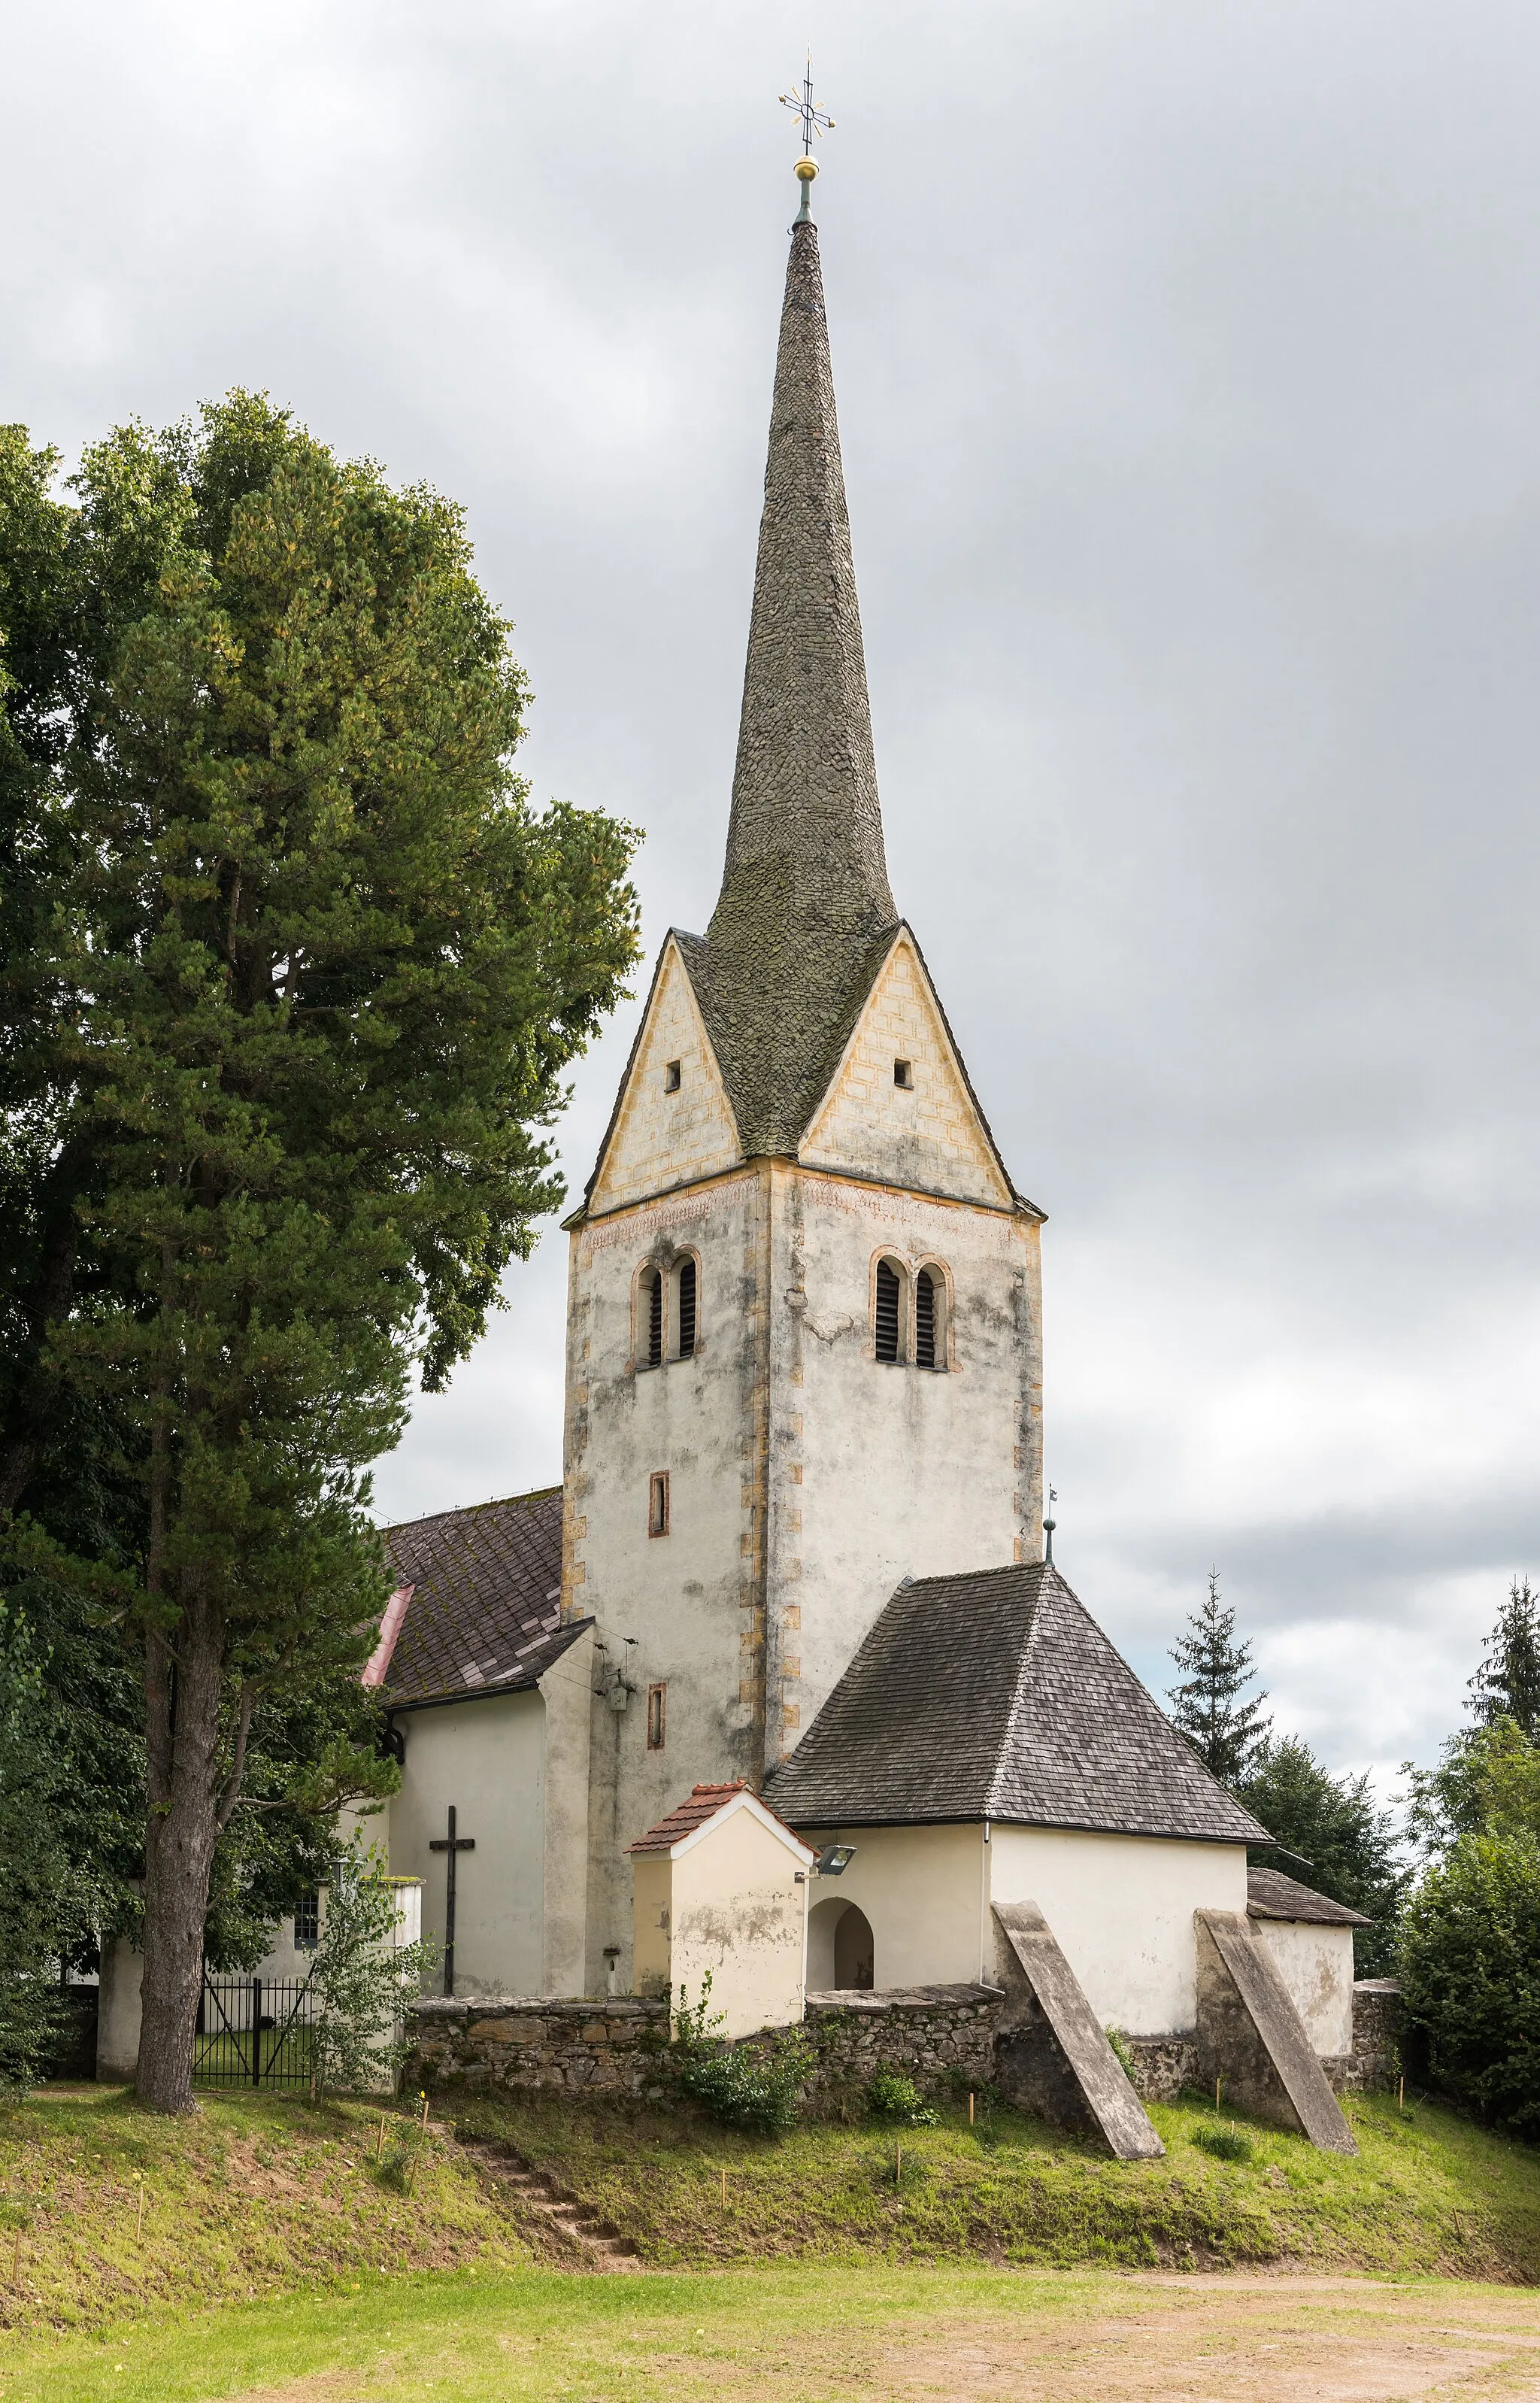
[454, 1846]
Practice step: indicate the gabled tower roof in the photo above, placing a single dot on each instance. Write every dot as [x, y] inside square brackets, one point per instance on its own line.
[805, 911]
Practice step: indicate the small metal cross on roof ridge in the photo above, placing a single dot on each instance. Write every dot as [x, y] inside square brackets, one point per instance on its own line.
[814, 120]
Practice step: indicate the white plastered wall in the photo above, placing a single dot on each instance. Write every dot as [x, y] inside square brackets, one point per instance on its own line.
[1316, 1965]
[924, 1891]
[726, 1904]
[1121, 1909]
[877, 1470]
[487, 1758]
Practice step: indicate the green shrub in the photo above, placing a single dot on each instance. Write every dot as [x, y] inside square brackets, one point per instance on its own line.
[1225, 2143]
[1120, 2044]
[895, 2098]
[1470, 1972]
[757, 2088]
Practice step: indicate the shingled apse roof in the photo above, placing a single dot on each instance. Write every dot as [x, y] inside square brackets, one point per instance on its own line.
[997, 1696]
[485, 1611]
[1270, 1895]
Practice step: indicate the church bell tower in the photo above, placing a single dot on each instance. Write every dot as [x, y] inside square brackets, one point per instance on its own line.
[804, 1313]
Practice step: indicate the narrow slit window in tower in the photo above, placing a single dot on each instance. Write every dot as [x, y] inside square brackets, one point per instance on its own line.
[670, 1078]
[686, 1309]
[657, 1701]
[887, 1311]
[903, 1074]
[657, 1503]
[655, 1318]
[924, 1320]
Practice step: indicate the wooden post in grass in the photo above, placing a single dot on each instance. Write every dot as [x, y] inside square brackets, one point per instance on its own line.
[899, 2166]
[1401, 2097]
[1217, 2083]
[723, 2189]
[139, 2223]
[971, 2110]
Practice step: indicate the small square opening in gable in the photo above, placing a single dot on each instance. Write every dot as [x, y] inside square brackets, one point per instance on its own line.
[903, 1074]
[670, 1078]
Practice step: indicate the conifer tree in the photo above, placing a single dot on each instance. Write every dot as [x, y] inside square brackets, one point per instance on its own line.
[1206, 1708]
[1506, 1685]
[290, 969]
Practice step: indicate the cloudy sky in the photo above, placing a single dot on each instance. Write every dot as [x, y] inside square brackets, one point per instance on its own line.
[1189, 383]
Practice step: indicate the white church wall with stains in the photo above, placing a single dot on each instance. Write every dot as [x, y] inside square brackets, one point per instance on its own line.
[1121, 1909]
[487, 1758]
[879, 1470]
[1315, 1964]
[680, 1609]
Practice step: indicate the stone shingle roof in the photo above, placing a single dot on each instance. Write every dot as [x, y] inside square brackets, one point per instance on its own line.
[485, 1612]
[1270, 1895]
[997, 1696]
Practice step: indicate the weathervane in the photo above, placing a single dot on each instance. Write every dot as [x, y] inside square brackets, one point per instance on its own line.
[816, 124]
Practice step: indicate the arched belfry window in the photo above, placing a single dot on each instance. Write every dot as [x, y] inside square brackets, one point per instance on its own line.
[655, 1298]
[687, 1308]
[888, 1310]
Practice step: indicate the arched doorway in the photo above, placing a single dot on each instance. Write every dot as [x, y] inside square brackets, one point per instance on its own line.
[839, 1946]
[854, 1953]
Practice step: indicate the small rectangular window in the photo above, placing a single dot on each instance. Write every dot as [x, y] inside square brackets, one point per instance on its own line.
[657, 1503]
[903, 1074]
[686, 1309]
[670, 1078]
[306, 1922]
[657, 1698]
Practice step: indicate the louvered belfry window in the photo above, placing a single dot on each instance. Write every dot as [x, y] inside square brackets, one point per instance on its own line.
[888, 1291]
[686, 1309]
[655, 1319]
[924, 1320]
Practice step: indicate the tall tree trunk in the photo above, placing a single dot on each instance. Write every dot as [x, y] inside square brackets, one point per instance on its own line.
[182, 1829]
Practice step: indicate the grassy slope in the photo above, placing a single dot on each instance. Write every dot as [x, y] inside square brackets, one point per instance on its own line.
[262, 2196]
[1429, 2193]
[254, 2195]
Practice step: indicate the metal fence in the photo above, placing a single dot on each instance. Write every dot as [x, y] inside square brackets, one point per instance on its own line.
[253, 2031]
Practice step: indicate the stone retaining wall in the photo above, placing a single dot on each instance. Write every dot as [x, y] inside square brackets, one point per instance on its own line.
[521, 2041]
[935, 2034]
[939, 2036]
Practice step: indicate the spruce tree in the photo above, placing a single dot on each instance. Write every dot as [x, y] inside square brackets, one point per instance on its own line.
[1506, 1685]
[289, 975]
[1224, 1731]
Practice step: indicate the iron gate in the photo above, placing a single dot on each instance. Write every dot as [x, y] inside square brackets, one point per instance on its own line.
[253, 2031]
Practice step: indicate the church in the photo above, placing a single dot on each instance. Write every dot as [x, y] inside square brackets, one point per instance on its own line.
[798, 1548]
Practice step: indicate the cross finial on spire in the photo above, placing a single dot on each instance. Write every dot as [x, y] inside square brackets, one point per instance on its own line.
[816, 124]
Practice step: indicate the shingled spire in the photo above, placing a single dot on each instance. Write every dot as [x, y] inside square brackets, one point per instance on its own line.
[805, 911]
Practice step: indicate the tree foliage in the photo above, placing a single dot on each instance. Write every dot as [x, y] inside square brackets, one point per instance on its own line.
[291, 972]
[1332, 1834]
[1206, 1706]
[1507, 1684]
[361, 1979]
[46, 1901]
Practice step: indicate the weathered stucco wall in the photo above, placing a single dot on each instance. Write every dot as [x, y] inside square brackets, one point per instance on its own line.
[1316, 1966]
[1120, 1908]
[681, 1610]
[881, 1470]
[923, 1889]
[487, 1758]
[726, 1905]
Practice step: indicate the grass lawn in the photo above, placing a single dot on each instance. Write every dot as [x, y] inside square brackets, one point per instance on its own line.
[803, 2334]
[279, 2262]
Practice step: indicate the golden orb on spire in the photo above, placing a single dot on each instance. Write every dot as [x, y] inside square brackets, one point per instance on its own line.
[806, 169]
